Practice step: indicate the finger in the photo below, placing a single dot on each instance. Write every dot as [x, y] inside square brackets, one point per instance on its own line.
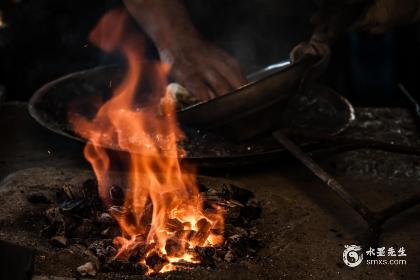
[198, 88]
[217, 82]
[231, 71]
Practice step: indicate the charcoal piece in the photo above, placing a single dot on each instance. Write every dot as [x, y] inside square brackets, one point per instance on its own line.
[203, 232]
[88, 269]
[239, 231]
[59, 241]
[110, 232]
[241, 245]
[72, 206]
[84, 229]
[206, 255]
[175, 247]
[233, 215]
[186, 225]
[185, 234]
[221, 251]
[125, 267]
[146, 218]
[185, 265]
[174, 225]
[102, 249]
[118, 211]
[116, 195]
[90, 188]
[105, 219]
[138, 253]
[201, 187]
[54, 215]
[230, 191]
[91, 194]
[156, 262]
[72, 192]
[57, 224]
[206, 252]
[237, 244]
[251, 211]
[230, 257]
[38, 198]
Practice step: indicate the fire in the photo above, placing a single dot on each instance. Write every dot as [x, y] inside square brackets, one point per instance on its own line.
[162, 216]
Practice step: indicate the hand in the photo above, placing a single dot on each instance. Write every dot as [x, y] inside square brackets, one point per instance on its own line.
[203, 69]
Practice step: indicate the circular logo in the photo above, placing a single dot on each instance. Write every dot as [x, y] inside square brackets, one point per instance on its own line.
[351, 255]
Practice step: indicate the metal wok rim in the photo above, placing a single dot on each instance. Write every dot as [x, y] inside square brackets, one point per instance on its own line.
[38, 117]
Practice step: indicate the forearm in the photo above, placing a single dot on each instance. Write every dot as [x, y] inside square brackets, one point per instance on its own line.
[166, 22]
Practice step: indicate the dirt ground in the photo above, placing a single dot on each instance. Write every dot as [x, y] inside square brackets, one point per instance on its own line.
[303, 227]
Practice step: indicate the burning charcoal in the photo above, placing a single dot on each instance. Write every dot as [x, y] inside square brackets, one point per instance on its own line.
[185, 234]
[239, 194]
[59, 241]
[251, 211]
[116, 195]
[156, 262]
[138, 253]
[203, 232]
[175, 247]
[174, 225]
[87, 269]
[38, 197]
[186, 225]
[146, 218]
[230, 256]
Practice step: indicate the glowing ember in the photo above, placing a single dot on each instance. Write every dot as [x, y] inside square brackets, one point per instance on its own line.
[162, 218]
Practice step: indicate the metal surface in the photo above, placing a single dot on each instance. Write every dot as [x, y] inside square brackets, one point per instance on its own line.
[257, 75]
[318, 110]
[253, 109]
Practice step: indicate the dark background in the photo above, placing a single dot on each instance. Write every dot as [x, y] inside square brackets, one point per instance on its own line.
[45, 39]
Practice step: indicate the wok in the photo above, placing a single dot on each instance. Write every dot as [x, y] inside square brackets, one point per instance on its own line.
[258, 106]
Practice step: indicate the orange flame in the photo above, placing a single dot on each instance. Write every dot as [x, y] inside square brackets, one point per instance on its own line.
[162, 205]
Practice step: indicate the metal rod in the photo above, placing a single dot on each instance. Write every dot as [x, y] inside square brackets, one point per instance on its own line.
[398, 207]
[414, 104]
[317, 170]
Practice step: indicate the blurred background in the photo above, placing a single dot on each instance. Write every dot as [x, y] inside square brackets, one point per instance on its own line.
[41, 40]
